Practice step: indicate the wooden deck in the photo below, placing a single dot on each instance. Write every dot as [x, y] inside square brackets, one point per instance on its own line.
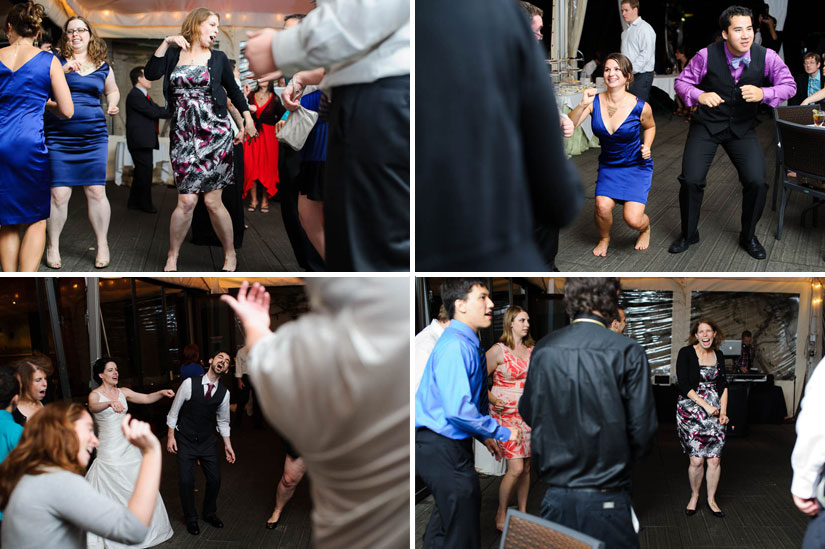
[800, 250]
[138, 241]
[246, 498]
[754, 492]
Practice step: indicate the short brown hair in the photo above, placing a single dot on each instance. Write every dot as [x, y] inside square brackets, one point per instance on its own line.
[49, 440]
[624, 65]
[633, 3]
[531, 9]
[190, 29]
[507, 334]
[813, 55]
[98, 52]
[717, 340]
[25, 19]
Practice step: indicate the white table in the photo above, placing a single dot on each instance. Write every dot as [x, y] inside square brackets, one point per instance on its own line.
[665, 82]
[123, 158]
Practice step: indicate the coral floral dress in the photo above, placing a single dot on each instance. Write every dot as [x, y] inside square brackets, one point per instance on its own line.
[508, 386]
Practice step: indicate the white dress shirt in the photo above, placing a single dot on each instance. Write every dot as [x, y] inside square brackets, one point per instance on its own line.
[424, 343]
[639, 45]
[357, 41]
[185, 393]
[808, 456]
[336, 383]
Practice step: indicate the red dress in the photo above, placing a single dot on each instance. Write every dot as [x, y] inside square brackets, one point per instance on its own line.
[508, 386]
[260, 158]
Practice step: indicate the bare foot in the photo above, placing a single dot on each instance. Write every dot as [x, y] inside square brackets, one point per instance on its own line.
[171, 264]
[644, 239]
[601, 247]
[230, 263]
[53, 258]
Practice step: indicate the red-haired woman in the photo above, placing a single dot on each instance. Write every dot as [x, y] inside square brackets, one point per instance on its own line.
[46, 502]
[196, 82]
[507, 362]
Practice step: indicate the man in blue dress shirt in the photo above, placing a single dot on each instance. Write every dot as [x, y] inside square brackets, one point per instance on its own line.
[451, 409]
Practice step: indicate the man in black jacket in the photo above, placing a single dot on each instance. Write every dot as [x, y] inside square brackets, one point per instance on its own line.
[142, 116]
[589, 403]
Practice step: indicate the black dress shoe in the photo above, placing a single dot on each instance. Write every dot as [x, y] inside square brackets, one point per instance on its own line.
[681, 244]
[192, 528]
[690, 512]
[753, 247]
[271, 525]
[717, 514]
[214, 521]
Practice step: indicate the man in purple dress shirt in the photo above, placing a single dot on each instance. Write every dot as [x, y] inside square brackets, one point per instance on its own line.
[728, 80]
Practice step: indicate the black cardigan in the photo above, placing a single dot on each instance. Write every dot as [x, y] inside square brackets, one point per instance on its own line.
[220, 75]
[687, 371]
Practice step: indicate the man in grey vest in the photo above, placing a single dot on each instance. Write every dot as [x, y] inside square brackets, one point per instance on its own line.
[200, 403]
[728, 80]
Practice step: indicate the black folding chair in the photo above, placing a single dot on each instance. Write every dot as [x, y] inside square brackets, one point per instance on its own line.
[799, 114]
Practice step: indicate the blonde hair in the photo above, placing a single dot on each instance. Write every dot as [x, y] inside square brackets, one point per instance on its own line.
[190, 28]
[97, 51]
[507, 333]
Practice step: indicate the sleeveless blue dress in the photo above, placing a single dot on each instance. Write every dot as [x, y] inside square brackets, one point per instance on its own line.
[623, 173]
[78, 147]
[24, 164]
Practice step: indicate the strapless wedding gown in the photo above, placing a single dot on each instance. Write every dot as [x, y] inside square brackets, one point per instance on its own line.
[114, 473]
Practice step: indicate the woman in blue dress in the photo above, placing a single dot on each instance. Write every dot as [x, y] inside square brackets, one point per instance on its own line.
[27, 76]
[625, 128]
[78, 147]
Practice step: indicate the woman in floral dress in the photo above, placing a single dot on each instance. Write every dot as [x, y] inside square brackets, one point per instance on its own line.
[507, 362]
[701, 412]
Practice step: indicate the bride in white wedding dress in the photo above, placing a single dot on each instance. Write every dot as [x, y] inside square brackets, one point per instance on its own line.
[116, 467]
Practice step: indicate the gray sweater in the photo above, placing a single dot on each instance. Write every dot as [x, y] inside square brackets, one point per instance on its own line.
[56, 509]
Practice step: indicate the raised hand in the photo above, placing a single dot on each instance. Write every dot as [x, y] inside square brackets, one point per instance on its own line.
[178, 40]
[72, 65]
[252, 308]
[259, 51]
[711, 99]
[139, 433]
[589, 96]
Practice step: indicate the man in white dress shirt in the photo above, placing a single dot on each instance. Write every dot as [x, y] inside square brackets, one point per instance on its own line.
[364, 49]
[808, 459]
[425, 341]
[335, 382]
[200, 402]
[639, 45]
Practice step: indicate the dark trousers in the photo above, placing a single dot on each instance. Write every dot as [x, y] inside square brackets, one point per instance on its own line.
[642, 82]
[746, 156]
[447, 467]
[367, 188]
[289, 165]
[243, 398]
[188, 453]
[547, 239]
[815, 534]
[140, 193]
[605, 516]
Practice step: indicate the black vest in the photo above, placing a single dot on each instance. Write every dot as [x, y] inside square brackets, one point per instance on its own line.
[197, 418]
[735, 113]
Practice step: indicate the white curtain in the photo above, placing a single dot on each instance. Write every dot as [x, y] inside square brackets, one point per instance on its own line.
[576, 10]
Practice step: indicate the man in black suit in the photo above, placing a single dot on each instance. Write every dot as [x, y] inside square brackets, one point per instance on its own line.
[810, 81]
[142, 116]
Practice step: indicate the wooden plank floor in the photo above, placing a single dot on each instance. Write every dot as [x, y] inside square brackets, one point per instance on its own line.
[246, 498]
[138, 241]
[800, 250]
[754, 492]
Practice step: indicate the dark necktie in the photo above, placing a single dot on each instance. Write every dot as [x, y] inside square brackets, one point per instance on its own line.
[157, 128]
[208, 393]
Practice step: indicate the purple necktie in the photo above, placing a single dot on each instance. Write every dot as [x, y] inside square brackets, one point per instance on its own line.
[208, 393]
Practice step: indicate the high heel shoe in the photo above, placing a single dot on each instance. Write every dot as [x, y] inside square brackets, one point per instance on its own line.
[717, 514]
[271, 525]
[690, 512]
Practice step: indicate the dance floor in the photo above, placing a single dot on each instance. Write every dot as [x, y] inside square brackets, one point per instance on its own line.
[801, 249]
[246, 499]
[138, 241]
[754, 492]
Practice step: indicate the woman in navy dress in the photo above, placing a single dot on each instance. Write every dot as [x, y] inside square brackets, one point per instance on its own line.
[27, 75]
[78, 147]
[625, 128]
